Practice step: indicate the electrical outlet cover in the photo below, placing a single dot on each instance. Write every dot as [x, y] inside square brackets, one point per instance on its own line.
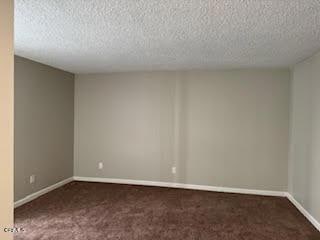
[100, 165]
[32, 179]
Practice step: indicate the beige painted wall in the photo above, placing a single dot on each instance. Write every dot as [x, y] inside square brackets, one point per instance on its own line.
[44, 110]
[225, 128]
[304, 163]
[235, 127]
[6, 119]
[125, 121]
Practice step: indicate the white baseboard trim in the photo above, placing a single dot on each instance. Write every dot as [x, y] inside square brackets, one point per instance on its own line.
[311, 219]
[182, 185]
[41, 192]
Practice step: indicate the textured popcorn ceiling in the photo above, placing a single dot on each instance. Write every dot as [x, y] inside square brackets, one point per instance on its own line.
[87, 36]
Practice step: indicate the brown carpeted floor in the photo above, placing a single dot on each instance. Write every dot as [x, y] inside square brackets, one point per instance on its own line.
[98, 211]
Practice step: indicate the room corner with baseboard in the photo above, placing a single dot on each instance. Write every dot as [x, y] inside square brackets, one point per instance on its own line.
[43, 126]
[167, 120]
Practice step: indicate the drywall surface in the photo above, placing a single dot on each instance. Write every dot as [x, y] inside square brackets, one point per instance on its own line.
[6, 118]
[225, 128]
[124, 121]
[304, 163]
[44, 120]
[235, 129]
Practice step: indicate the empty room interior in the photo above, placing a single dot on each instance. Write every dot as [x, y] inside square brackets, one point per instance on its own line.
[171, 119]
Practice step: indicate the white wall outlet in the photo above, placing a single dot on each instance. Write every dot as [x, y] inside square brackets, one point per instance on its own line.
[174, 170]
[32, 179]
[100, 165]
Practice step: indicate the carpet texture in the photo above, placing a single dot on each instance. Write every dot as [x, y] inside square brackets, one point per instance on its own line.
[98, 211]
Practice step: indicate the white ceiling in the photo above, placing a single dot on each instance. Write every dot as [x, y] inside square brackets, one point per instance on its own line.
[93, 36]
